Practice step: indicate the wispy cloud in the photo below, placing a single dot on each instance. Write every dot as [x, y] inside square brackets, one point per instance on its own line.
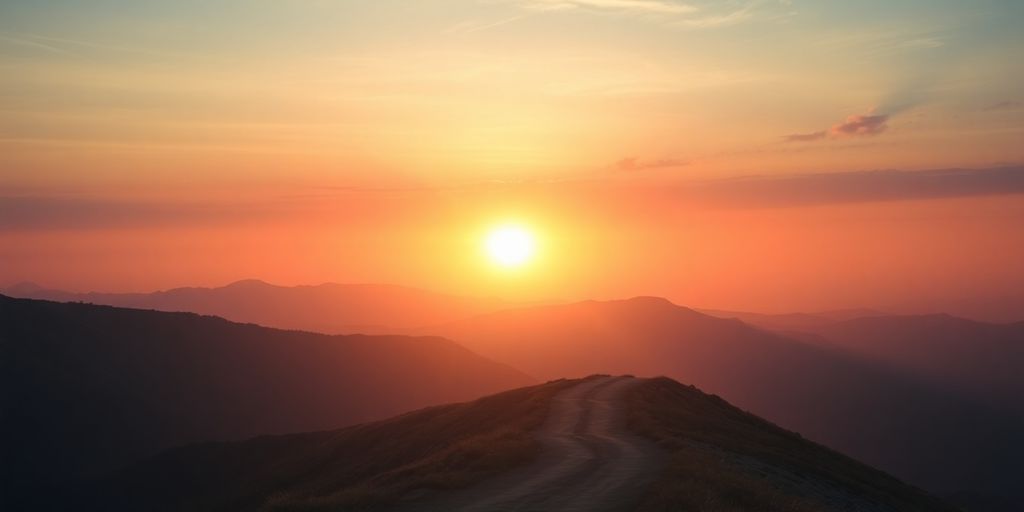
[30, 43]
[68, 46]
[857, 125]
[647, 6]
[723, 19]
[860, 125]
[1003, 105]
[921, 42]
[673, 13]
[26, 213]
[632, 164]
[805, 137]
[884, 40]
[30, 213]
[468, 27]
[855, 187]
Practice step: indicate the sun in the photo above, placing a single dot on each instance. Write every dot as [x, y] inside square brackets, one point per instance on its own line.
[510, 246]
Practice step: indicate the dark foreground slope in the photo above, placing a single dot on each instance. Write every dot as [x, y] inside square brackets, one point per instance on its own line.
[596, 444]
[86, 388]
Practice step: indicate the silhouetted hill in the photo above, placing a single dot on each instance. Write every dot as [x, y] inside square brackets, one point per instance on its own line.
[720, 458]
[328, 308]
[88, 388]
[900, 423]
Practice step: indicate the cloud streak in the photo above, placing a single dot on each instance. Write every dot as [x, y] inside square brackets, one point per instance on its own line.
[1002, 106]
[469, 27]
[633, 164]
[805, 137]
[76, 47]
[30, 213]
[673, 13]
[857, 125]
[724, 19]
[38, 213]
[861, 125]
[21, 41]
[855, 187]
[636, 6]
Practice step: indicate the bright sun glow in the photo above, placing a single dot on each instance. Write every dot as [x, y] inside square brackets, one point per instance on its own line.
[510, 246]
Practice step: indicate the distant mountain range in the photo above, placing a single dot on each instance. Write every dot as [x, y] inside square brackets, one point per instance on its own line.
[794, 321]
[86, 389]
[981, 359]
[328, 308]
[715, 452]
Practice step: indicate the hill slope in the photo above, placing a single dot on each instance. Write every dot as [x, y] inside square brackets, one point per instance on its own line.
[982, 359]
[495, 454]
[875, 412]
[329, 308]
[88, 388]
[978, 359]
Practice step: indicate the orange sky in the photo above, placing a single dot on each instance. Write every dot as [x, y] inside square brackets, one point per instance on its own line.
[710, 152]
[596, 240]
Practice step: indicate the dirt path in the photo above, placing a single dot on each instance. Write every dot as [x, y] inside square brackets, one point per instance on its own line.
[589, 461]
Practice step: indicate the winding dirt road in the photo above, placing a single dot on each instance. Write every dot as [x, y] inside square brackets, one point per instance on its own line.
[589, 462]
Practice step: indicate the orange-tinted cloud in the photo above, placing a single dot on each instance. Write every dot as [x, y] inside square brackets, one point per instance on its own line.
[636, 164]
[1003, 105]
[856, 187]
[860, 124]
[805, 137]
[27, 213]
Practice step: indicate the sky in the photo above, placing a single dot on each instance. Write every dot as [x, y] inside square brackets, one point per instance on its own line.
[746, 154]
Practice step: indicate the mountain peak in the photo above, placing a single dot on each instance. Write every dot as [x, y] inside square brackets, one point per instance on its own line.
[655, 304]
[249, 283]
[650, 300]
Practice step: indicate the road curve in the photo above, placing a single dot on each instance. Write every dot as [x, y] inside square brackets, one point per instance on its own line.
[589, 461]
